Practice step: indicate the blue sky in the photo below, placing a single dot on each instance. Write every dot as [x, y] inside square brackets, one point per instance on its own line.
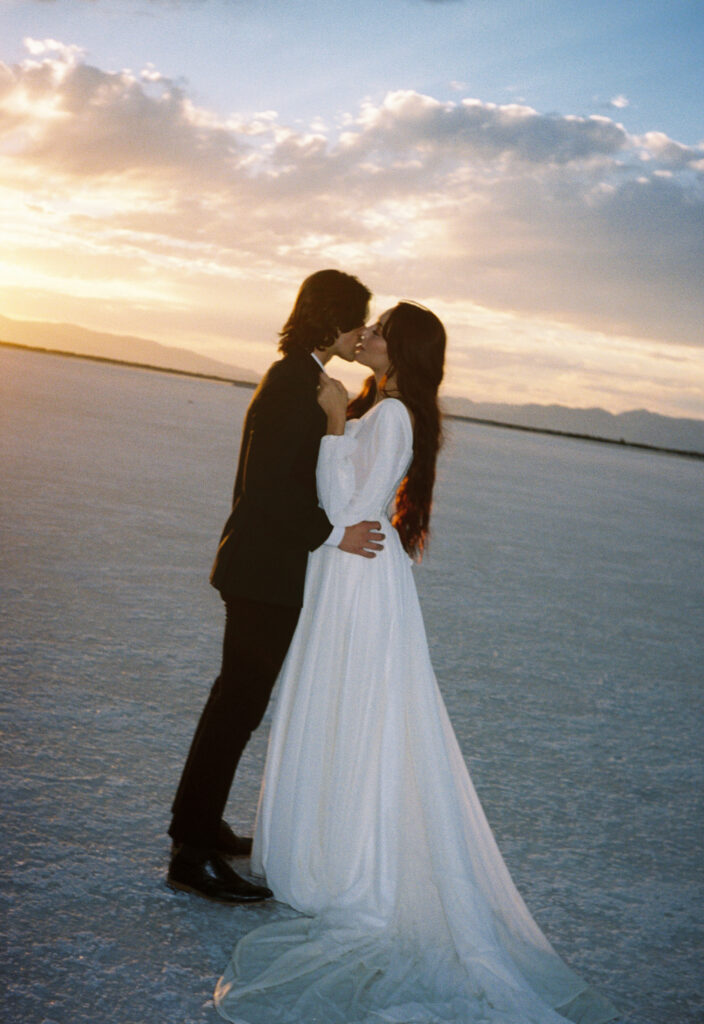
[306, 59]
[534, 170]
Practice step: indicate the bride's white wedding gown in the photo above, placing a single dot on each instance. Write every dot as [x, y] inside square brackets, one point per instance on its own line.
[368, 822]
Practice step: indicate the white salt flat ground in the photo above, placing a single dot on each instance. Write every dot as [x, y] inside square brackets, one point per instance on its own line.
[563, 598]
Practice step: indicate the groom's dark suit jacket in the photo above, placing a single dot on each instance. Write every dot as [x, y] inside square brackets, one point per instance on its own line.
[275, 519]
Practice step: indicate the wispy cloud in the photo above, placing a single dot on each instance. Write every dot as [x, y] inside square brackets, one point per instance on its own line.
[619, 102]
[562, 218]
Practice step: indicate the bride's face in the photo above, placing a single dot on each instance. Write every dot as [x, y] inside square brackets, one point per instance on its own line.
[371, 348]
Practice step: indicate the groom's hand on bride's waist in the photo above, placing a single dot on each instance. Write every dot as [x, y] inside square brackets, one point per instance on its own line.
[362, 539]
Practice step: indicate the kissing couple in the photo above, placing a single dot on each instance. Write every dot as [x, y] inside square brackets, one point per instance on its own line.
[368, 824]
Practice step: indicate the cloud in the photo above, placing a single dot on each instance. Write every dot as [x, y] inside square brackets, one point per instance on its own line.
[82, 122]
[38, 47]
[619, 102]
[478, 130]
[121, 176]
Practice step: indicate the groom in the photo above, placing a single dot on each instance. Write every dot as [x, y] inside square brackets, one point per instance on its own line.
[260, 571]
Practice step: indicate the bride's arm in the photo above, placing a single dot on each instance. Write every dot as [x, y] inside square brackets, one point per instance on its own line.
[355, 475]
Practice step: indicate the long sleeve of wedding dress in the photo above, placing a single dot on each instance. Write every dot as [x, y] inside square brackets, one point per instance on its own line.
[368, 823]
[356, 475]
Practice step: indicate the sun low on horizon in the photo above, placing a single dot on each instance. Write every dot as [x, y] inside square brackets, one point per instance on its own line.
[173, 170]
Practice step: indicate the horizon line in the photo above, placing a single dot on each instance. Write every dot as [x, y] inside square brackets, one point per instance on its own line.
[233, 381]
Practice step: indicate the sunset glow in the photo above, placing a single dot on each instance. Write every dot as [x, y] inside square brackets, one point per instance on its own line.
[565, 251]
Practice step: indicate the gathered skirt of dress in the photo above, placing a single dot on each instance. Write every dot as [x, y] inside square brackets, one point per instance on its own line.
[369, 825]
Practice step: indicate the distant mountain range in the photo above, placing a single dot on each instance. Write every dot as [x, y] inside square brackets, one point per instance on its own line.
[71, 339]
[638, 426]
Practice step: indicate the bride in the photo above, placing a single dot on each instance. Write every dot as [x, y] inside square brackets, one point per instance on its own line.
[368, 822]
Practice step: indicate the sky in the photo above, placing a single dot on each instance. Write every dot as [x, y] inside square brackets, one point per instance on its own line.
[532, 171]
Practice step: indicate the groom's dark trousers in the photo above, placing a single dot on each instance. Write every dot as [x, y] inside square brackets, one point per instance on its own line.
[259, 570]
[257, 637]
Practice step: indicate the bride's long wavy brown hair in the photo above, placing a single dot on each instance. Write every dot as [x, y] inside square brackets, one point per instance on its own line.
[415, 341]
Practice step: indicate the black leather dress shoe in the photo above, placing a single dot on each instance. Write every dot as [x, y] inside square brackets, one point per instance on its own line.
[208, 875]
[231, 845]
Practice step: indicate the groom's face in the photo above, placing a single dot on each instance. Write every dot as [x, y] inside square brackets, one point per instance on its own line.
[345, 344]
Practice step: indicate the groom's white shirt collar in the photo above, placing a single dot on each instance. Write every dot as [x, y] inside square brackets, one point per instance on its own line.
[318, 362]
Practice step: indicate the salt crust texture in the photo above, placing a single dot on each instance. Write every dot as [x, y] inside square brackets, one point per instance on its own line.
[563, 599]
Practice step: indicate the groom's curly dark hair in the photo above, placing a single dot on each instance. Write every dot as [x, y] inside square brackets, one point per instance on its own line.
[328, 303]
